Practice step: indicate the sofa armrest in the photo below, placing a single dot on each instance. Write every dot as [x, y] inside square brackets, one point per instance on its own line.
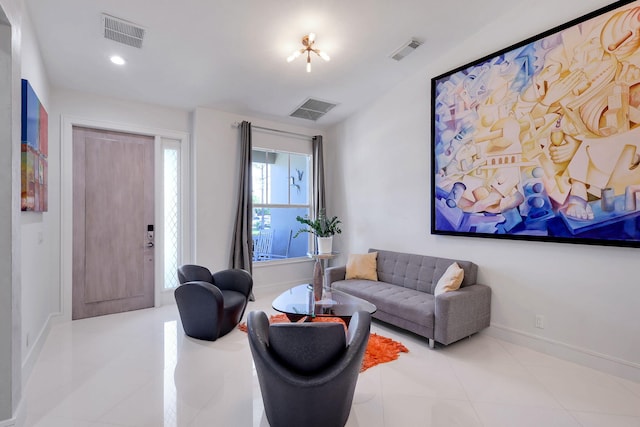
[333, 274]
[461, 313]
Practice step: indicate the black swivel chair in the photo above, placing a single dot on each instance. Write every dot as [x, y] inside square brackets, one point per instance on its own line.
[211, 305]
[307, 371]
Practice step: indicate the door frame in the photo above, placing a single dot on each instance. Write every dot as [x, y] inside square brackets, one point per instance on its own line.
[161, 296]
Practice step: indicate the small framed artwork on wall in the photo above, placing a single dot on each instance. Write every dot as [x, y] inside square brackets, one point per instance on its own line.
[35, 149]
[541, 140]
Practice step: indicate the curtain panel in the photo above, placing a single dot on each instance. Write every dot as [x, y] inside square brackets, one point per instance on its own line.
[318, 176]
[241, 245]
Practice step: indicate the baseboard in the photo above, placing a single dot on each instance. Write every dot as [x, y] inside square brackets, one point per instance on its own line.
[34, 351]
[166, 298]
[17, 420]
[599, 361]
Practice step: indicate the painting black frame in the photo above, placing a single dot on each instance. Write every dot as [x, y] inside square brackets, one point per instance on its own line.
[539, 211]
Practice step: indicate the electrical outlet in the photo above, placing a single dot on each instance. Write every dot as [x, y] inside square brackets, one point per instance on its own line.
[539, 321]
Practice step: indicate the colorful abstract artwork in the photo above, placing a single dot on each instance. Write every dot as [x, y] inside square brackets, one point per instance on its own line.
[541, 141]
[35, 131]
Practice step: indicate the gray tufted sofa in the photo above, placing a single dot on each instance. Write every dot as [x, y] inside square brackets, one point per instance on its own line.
[404, 296]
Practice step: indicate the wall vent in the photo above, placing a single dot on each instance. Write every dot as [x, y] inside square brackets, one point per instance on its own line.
[405, 49]
[122, 31]
[312, 109]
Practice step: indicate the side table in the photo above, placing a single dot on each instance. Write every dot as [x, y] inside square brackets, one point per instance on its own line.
[318, 271]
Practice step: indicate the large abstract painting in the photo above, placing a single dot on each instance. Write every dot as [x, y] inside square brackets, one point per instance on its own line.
[541, 141]
[35, 132]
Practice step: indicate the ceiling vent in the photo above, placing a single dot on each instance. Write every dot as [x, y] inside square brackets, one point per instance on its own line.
[122, 31]
[405, 49]
[312, 109]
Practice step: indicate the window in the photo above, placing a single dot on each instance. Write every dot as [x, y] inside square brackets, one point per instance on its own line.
[280, 192]
[171, 212]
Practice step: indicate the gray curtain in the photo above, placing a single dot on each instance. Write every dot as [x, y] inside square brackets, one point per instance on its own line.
[241, 246]
[318, 176]
[318, 180]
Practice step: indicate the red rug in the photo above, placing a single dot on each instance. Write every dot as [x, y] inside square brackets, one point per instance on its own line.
[379, 349]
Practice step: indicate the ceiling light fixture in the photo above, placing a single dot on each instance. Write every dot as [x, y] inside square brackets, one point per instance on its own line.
[308, 41]
[118, 60]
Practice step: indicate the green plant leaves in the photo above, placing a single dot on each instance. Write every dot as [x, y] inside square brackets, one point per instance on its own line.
[321, 226]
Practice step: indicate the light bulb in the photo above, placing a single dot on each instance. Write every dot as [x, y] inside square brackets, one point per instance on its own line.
[293, 56]
[324, 55]
[309, 67]
[118, 60]
[312, 37]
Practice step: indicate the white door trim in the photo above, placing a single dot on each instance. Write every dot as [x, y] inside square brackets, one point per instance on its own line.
[66, 197]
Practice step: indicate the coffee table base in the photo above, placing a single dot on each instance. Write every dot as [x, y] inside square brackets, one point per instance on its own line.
[295, 318]
[299, 303]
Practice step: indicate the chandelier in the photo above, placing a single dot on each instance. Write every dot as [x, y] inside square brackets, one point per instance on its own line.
[307, 42]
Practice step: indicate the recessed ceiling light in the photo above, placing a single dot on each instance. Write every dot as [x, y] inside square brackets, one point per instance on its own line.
[118, 60]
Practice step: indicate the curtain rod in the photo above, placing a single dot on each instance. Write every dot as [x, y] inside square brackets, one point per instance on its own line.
[236, 124]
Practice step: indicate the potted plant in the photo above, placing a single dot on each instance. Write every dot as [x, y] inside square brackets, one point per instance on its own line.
[323, 228]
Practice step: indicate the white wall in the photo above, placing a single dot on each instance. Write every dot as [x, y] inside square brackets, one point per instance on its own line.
[379, 176]
[6, 224]
[216, 152]
[38, 230]
[10, 319]
[112, 110]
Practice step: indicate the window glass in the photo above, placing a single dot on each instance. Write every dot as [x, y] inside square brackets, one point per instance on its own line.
[280, 192]
[171, 216]
[299, 179]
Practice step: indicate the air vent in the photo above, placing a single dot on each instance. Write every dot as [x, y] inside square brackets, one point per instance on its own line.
[122, 31]
[405, 49]
[312, 109]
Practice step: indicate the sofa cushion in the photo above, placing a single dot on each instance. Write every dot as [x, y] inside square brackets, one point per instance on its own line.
[419, 272]
[450, 280]
[362, 266]
[415, 306]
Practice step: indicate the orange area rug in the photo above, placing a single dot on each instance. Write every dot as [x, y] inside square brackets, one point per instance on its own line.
[379, 349]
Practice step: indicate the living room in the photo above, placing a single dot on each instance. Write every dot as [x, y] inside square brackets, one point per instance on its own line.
[377, 177]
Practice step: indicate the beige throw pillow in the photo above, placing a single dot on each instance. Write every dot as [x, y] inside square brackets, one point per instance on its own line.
[362, 266]
[450, 280]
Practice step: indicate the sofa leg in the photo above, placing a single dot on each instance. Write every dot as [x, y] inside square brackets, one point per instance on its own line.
[432, 343]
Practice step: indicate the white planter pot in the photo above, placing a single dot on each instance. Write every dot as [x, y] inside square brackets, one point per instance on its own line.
[325, 245]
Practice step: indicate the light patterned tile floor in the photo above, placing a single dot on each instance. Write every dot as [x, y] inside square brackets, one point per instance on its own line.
[139, 369]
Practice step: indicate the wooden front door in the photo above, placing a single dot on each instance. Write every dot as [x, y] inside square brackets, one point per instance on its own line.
[113, 210]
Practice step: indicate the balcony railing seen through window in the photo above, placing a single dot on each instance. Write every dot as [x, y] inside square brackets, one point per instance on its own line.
[280, 192]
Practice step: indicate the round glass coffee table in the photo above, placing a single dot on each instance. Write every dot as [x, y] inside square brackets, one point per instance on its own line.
[299, 302]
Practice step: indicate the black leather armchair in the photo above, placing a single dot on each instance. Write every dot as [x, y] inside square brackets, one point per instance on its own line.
[307, 371]
[211, 305]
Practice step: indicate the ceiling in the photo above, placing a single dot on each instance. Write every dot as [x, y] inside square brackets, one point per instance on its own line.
[231, 54]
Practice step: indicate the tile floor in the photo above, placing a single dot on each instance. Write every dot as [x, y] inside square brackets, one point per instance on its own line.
[139, 369]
